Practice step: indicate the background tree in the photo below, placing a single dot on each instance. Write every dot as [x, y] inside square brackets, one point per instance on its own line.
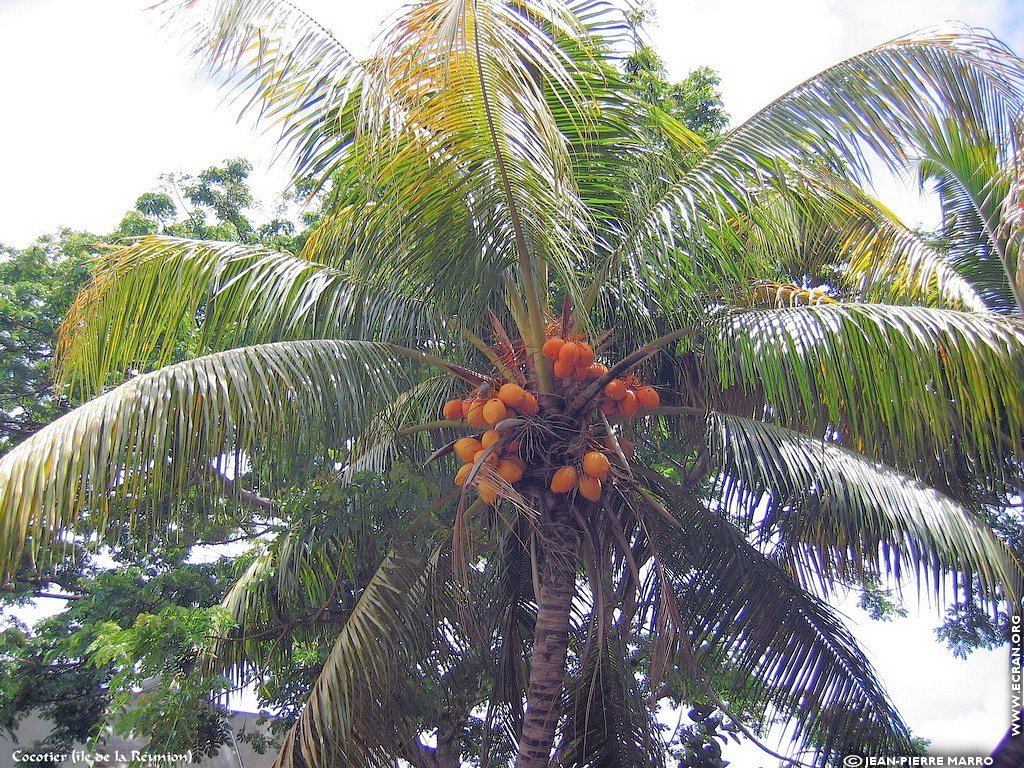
[37, 285]
[486, 162]
[694, 101]
[134, 593]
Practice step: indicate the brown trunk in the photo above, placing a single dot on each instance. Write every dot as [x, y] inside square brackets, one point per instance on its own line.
[550, 642]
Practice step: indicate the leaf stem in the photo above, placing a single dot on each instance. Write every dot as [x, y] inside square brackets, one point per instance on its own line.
[533, 334]
[629, 361]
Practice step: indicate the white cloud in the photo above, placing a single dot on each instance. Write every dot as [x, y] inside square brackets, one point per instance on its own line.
[101, 102]
[763, 49]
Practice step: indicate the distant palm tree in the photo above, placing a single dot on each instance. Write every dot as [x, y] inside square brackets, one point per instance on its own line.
[496, 183]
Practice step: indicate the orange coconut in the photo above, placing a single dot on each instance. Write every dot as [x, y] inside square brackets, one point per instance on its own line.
[452, 410]
[648, 397]
[629, 405]
[529, 405]
[615, 389]
[590, 487]
[479, 455]
[596, 464]
[466, 448]
[510, 470]
[475, 415]
[563, 480]
[487, 493]
[569, 352]
[511, 394]
[489, 438]
[495, 411]
[462, 474]
[586, 354]
[562, 369]
[552, 347]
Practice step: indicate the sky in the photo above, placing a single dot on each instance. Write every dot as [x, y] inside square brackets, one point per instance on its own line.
[97, 101]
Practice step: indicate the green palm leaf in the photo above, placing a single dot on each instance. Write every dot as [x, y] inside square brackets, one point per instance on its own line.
[381, 441]
[607, 722]
[975, 178]
[354, 713]
[154, 435]
[889, 262]
[293, 593]
[827, 511]
[883, 99]
[813, 223]
[917, 387]
[742, 609]
[149, 295]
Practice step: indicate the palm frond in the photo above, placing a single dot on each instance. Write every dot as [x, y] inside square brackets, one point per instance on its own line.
[791, 653]
[295, 592]
[293, 71]
[380, 442]
[832, 514]
[975, 178]
[151, 295]
[917, 387]
[473, 79]
[607, 722]
[814, 224]
[888, 262]
[881, 100]
[354, 712]
[129, 453]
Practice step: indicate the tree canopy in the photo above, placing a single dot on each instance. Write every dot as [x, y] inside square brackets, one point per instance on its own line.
[690, 384]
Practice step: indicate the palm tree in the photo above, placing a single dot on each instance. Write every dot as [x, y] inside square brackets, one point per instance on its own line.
[499, 191]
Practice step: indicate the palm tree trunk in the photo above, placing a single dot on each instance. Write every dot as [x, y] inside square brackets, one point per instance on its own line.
[550, 642]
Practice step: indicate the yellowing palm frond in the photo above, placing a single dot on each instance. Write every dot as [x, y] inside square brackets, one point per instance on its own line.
[148, 296]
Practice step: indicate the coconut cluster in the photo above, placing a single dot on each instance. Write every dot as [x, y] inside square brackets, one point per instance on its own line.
[492, 447]
[581, 463]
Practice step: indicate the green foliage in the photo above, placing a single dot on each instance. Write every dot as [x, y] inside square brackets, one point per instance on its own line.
[157, 689]
[695, 101]
[878, 602]
[37, 285]
[223, 192]
[701, 741]
[64, 670]
[159, 206]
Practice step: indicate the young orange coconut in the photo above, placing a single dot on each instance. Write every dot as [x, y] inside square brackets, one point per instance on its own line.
[563, 480]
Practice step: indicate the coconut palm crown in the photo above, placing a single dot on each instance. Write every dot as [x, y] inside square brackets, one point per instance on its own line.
[693, 389]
